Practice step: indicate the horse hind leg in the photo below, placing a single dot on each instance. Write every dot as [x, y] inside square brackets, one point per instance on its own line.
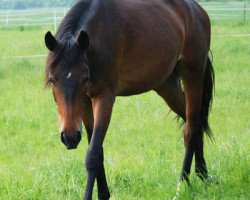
[194, 74]
[172, 93]
[190, 111]
[207, 95]
[181, 103]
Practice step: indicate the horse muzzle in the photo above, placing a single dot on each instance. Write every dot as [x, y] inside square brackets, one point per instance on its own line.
[71, 141]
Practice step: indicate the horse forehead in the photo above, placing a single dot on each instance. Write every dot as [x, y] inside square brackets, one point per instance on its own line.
[69, 75]
[72, 73]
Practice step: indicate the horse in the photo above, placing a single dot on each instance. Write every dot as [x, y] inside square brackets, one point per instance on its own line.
[108, 48]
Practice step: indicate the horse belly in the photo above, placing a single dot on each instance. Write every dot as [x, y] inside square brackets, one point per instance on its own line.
[148, 63]
[140, 74]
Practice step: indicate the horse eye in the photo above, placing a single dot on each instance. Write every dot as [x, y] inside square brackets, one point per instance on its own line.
[51, 79]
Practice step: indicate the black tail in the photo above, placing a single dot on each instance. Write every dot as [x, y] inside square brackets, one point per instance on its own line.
[208, 87]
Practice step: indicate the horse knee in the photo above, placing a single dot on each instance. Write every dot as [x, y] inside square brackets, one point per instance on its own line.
[188, 141]
[191, 136]
[93, 161]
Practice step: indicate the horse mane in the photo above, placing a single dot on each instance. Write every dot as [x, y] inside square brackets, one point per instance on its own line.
[78, 18]
[71, 21]
[66, 53]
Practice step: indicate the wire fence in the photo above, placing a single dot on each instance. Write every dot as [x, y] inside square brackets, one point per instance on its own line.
[228, 10]
[34, 17]
[52, 17]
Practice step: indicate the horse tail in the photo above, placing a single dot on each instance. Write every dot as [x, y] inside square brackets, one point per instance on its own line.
[207, 97]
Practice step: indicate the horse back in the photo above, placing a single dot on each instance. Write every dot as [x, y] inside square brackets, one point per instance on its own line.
[136, 44]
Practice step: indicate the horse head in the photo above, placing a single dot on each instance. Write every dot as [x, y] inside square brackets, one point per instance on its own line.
[67, 73]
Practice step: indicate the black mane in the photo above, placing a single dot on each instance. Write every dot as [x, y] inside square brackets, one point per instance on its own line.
[79, 18]
[70, 24]
[67, 53]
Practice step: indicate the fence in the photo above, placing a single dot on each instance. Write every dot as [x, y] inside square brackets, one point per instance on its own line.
[52, 17]
[228, 10]
[34, 17]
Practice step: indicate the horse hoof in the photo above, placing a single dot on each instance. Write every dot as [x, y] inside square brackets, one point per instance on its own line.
[186, 179]
[211, 180]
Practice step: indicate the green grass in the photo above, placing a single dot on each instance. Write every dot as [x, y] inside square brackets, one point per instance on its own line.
[144, 146]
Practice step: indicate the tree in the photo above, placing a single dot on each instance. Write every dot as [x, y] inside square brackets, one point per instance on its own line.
[18, 5]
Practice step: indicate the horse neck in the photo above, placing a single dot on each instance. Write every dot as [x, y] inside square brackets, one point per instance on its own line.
[79, 17]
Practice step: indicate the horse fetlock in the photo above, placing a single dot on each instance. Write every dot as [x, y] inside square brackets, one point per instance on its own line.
[201, 171]
[87, 197]
[185, 177]
[104, 195]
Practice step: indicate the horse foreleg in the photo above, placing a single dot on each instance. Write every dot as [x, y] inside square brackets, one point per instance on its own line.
[102, 185]
[102, 107]
[88, 121]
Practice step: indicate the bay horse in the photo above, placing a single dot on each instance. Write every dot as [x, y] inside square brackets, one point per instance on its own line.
[109, 48]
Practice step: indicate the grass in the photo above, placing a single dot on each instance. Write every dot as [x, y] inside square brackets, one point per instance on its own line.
[143, 148]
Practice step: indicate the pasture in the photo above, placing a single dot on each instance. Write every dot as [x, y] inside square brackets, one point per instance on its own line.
[143, 147]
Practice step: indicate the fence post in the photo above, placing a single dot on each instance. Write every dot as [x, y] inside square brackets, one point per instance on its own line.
[55, 20]
[7, 17]
[245, 11]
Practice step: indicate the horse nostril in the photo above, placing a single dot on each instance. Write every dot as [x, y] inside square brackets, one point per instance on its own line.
[63, 138]
[78, 136]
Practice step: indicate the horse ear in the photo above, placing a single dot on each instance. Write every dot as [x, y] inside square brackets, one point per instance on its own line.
[50, 41]
[83, 40]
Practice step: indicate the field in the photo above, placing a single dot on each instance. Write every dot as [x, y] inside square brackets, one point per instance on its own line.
[144, 146]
